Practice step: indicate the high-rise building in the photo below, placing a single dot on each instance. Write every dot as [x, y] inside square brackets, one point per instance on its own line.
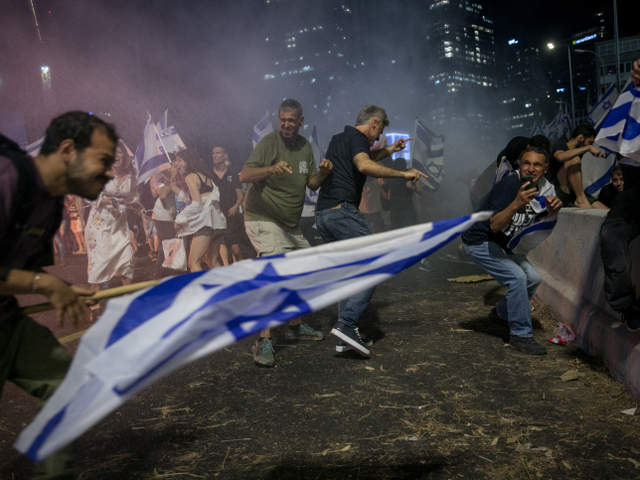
[459, 49]
[523, 86]
[315, 55]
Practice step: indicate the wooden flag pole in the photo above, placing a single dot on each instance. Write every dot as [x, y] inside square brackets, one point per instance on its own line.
[101, 295]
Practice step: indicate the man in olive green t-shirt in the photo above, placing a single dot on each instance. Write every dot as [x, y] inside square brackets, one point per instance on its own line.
[279, 170]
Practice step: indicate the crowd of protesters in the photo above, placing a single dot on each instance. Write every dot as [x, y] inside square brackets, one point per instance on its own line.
[203, 214]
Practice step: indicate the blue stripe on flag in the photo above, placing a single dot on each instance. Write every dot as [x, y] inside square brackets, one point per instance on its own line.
[513, 243]
[153, 162]
[267, 276]
[262, 124]
[436, 153]
[631, 129]
[279, 314]
[140, 310]
[44, 434]
[616, 115]
[602, 181]
[36, 146]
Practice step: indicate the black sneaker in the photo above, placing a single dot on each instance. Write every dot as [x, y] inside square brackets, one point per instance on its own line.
[343, 347]
[495, 318]
[526, 345]
[351, 337]
[631, 318]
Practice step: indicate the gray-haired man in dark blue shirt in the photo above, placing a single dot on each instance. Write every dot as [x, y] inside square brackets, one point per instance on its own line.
[337, 214]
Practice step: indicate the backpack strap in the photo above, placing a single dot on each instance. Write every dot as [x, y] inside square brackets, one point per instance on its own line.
[24, 200]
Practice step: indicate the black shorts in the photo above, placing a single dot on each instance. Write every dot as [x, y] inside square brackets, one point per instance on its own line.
[210, 232]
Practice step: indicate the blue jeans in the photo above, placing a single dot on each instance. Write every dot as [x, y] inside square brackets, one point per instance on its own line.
[514, 271]
[340, 224]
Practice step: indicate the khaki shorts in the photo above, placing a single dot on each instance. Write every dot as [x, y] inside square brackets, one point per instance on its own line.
[268, 238]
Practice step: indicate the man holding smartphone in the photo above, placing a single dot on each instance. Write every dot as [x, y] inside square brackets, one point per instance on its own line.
[515, 205]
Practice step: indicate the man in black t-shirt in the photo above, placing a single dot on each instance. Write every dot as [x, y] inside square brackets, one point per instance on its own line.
[565, 169]
[337, 214]
[231, 196]
[486, 244]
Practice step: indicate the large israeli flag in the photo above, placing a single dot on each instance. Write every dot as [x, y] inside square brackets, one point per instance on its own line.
[620, 131]
[33, 149]
[602, 107]
[149, 158]
[427, 155]
[145, 336]
[262, 128]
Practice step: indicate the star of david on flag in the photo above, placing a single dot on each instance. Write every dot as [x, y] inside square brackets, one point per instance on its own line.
[602, 107]
[620, 131]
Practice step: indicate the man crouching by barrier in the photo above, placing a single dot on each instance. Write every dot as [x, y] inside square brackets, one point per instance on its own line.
[76, 158]
[518, 202]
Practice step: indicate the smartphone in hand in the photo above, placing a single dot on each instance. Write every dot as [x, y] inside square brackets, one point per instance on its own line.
[527, 178]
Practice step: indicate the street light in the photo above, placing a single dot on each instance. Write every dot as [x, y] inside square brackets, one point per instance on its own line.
[46, 78]
[580, 50]
[551, 46]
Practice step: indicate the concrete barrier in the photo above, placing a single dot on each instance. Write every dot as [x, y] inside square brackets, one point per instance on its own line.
[571, 269]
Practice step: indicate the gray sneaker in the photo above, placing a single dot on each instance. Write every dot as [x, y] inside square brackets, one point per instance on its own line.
[526, 345]
[303, 332]
[263, 353]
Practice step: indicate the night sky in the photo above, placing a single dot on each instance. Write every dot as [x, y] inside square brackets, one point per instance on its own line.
[554, 19]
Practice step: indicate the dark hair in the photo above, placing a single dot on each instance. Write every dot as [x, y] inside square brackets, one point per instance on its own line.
[193, 161]
[617, 168]
[290, 105]
[77, 126]
[401, 164]
[585, 130]
[541, 142]
[130, 169]
[539, 151]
